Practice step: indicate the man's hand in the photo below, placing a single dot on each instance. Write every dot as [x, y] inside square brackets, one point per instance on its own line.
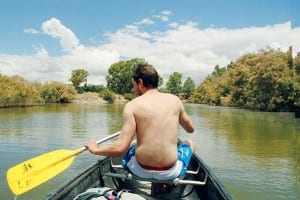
[92, 146]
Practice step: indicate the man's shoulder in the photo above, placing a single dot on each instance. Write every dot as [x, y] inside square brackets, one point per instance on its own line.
[171, 96]
[133, 102]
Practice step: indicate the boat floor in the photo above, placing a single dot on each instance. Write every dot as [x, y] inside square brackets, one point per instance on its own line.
[154, 190]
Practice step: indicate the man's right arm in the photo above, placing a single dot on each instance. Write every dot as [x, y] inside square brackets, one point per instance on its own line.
[124, 140]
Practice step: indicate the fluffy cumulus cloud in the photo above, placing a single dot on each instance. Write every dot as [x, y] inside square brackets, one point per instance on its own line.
[185, 48]
[55, 29]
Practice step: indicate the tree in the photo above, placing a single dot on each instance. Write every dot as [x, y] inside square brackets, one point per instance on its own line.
[160, 81]
[219, 71]
[262, 81]
[174, 84]
[188, 87]
[290, 58]
[297, 64]
[119, 78]
[297, 85]
[78, 76]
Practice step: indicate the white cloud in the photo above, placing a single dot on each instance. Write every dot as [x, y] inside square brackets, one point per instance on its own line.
[31, 31]
[67, 38]
[184, 48]
[163, 16]
[146, 21]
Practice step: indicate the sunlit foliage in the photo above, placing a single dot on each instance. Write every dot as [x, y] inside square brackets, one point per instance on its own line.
[56, 92]
[16, 91]
[262, 81]
[78, 76]
[119, 78]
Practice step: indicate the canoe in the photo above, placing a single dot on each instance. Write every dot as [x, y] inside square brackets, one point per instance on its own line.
[107, 180]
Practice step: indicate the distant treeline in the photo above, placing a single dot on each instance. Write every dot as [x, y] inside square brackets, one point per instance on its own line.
[268, 81]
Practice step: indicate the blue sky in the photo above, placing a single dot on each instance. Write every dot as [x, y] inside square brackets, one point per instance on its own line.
[46, 40]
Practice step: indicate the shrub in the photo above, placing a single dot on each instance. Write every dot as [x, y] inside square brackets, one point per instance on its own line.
[16, 91]
[129, 96]
[108, 95]
[56, 92]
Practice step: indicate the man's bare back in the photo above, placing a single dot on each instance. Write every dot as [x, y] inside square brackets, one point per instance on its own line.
[157, 117]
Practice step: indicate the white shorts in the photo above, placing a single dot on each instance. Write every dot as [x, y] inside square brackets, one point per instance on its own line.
[169, 174]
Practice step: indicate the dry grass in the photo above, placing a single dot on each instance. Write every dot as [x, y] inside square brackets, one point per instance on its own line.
[92, 98]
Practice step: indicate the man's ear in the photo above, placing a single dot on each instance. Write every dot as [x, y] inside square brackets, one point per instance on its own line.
[141, 82]
[141, 86]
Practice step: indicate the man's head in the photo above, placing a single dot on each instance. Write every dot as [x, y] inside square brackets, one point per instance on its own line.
[147, 74]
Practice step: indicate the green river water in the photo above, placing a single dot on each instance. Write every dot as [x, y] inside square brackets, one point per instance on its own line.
[256, 155]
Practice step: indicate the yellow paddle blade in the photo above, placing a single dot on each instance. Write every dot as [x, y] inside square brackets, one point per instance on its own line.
[33, 172]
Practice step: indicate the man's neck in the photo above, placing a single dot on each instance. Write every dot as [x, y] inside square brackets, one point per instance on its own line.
[150, 90]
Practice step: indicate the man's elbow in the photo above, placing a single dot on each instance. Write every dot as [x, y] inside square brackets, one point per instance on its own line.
[191, 130]
[121, 150]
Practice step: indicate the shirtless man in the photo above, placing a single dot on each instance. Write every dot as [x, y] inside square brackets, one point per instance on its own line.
[154, 118]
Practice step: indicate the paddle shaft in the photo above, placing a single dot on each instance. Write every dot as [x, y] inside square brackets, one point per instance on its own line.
[107, 138]
[102, 141]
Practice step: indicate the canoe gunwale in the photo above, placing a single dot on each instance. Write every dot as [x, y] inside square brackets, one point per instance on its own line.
[213, 178]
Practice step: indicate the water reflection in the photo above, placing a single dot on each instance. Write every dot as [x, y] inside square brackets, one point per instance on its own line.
[256, 152]
[256, 134]
[114, 117]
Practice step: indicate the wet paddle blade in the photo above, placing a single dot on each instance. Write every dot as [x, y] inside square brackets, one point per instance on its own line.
[31, 173]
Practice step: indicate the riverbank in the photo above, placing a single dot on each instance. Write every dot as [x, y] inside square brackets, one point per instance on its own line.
[92, 98]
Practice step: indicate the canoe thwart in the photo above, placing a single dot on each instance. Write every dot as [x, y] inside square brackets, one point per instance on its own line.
[178, 181]
[194, 172]
[126, 176]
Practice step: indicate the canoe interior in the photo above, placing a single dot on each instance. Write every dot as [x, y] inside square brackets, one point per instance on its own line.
[94, 176]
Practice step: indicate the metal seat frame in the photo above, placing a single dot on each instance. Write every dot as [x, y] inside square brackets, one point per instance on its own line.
[177, 181]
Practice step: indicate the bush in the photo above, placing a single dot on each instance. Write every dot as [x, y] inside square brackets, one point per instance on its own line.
[16, 91]
[108, 95]
[129, 96]
[56, 92]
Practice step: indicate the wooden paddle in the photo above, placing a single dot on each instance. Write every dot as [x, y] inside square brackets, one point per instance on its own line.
[31, 173]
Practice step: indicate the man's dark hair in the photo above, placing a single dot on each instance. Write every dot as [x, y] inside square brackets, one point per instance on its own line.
[147, 74]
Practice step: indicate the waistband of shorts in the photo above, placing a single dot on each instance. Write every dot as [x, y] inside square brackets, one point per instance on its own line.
[156, 168]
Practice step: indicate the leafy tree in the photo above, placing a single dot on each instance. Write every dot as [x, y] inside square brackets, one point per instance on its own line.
[160, 81]
[262, 81]
[297, 83]
[78, 76]
[174, 84]
[119, 78]
[188, 87]
[290, 58]
[91, 88]
[297, 65]
[218, 71]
